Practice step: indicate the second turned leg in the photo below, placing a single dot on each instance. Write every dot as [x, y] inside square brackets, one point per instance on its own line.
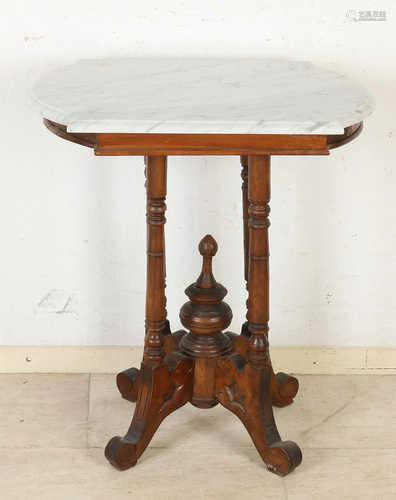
[283, 387]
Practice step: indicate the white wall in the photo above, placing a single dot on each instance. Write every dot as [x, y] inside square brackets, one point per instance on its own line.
[72, 246]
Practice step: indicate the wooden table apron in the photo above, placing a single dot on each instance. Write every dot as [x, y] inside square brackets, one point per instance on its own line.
[203, 364]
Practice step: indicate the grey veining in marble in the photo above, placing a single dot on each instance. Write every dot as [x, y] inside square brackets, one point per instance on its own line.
[202, 96]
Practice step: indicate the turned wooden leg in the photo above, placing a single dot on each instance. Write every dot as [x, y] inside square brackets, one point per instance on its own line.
[283, 387]
[165, 383]
[243, 384]
[128, 380]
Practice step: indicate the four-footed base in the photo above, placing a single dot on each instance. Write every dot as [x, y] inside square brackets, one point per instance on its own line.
[245, 390]
[206, 366]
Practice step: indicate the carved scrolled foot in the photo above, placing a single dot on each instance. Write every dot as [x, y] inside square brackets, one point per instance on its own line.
[284, 387]
[121, 453]
[283, 459]
[128, 380]
[128, 384]
[162, 390]
[245, 390]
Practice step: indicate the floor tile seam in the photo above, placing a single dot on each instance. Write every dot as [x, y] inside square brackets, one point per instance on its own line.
[88, 412]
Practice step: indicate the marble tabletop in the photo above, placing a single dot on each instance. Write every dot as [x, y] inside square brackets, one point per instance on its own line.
[200, 96]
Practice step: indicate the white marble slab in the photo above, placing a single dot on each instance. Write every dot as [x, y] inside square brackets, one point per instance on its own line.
[205, 96]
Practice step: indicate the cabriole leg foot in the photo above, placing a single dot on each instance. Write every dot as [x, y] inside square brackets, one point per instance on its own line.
[245, 390]
[163, 389]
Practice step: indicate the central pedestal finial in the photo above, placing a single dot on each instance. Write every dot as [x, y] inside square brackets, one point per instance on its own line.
[205, 315]
[208, 249]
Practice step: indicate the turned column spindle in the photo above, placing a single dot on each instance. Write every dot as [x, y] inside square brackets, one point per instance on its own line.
[156, 173]
[258, 276]
[284, 387]
[245, 213]
[246, 236]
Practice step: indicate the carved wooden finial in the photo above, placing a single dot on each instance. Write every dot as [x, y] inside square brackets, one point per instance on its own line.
[208, 246]
[208, 249]
[206, 315]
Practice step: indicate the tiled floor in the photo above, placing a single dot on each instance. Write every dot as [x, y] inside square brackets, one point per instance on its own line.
[53, 429]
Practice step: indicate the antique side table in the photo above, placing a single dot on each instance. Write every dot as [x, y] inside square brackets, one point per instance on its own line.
[163, 107]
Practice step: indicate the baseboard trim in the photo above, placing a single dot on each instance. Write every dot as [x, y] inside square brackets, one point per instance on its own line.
[112, 359]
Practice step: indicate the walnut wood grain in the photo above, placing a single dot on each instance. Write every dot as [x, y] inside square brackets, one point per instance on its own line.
[209, 144]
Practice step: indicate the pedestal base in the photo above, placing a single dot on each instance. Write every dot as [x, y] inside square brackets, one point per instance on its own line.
[205, 366]
[283, 387]
[238, 386]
